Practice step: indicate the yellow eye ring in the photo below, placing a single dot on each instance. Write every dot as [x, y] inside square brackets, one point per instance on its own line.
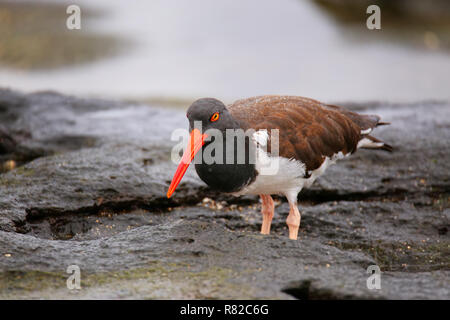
[214, 117]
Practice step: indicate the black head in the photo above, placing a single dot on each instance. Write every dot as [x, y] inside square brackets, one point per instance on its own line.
[211, 113]
[228, 177]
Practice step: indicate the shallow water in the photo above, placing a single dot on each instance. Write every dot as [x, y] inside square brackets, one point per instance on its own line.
[189, 49]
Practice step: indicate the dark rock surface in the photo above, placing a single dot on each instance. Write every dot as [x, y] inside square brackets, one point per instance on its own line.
[88, 188]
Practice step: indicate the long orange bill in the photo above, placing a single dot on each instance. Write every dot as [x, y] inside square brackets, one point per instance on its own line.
[196, 141]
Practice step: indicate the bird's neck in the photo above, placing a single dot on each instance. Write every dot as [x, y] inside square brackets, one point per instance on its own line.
[227, 167]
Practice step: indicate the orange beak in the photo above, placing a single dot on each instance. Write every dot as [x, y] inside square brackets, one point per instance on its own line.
[196, 141]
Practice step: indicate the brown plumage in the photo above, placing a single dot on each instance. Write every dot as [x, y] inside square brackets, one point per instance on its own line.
[309, 130]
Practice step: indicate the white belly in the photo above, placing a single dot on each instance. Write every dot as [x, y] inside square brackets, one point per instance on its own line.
[278, 175]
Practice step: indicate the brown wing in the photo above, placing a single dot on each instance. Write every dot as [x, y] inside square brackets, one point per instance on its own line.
[309, 131]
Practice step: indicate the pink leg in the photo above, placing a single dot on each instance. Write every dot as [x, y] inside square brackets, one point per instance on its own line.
[293, 221]
[267, 209]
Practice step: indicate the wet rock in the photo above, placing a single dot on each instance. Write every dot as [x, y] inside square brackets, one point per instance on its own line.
[95, 197]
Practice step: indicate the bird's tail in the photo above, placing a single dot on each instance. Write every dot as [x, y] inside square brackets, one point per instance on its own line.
[369, 142]
[366, 122]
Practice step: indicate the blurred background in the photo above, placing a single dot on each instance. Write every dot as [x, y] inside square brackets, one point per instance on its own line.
[177, 50]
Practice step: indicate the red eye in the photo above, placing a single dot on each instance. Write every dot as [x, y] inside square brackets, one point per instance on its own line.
[214, 117]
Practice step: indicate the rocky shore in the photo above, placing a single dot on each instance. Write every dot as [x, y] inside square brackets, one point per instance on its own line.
[83, 182]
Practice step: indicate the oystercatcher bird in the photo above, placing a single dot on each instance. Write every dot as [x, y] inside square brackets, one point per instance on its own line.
[311, 136]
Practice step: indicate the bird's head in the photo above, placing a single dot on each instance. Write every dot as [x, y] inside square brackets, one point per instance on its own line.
[204, 114]
[209, 113]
